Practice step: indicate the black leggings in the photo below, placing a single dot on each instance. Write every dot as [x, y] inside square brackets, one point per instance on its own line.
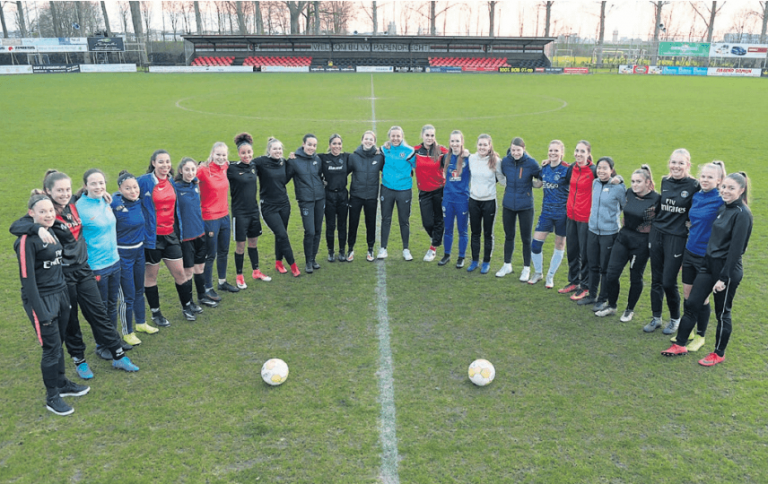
[578, 257]
[369, 206]
[630, 247]
[482, 216]
[336, 209]
[431, 207]
[276, 219]
[388, 199]
[312, 219]
[599, 248]
[702, 289]
[666, 259]
[526, 226]
[50, 335]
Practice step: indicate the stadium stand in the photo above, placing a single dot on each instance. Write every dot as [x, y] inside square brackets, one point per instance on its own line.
[213, 61]
[467, 62]
[258, 61]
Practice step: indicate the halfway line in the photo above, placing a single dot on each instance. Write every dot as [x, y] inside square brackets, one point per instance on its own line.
[387, 429]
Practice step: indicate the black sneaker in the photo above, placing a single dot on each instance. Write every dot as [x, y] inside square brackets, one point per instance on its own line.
[444, 260]
[342, 256]
[309, 268]
[586, 301]
[331, 257]
[188, 312]
[315, 265]
[225, 286]
[58, 406]
[212, 295]
[195, 308]
[125, 346]
[72, 389]
[207, 301]
[459, 263]
[103, 352]
[160, 320]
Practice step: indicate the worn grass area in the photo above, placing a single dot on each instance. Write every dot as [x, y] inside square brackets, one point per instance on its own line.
[576, 399]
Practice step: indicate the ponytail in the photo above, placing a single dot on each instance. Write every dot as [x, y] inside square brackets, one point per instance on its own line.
[742, 179]
[645, 171]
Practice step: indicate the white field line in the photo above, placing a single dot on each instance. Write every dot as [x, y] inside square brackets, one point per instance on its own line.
[387, 424]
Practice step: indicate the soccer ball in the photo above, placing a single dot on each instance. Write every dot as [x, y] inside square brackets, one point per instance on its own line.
[274, 372]
[481, 372]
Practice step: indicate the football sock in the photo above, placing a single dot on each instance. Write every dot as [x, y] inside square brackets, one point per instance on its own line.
[153, 298]
[253, 254]
[239, 260]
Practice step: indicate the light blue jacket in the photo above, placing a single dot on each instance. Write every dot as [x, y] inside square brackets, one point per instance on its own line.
[607, 202]
[99, 231]
[398, 164]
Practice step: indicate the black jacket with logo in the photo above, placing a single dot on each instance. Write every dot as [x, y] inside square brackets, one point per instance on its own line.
[306, 172]
[273, 178]
[730, 236]
[365, 166]
[243, 188]
[676, 200]
[335, 171]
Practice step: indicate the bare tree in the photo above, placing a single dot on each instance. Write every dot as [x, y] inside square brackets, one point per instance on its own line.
[491, 17]
[712, 11]
[124, 9]
[373, 15]
[138, 31]
[764, 17]
[548, 18]
[55, 19]
[601, 35]
[258, 17]
[20, 19]
[658, 6]
[335, 16]
[146, 9]
[240, 18]
[106, 18]
[432, 15]
[296, 9]
[2, 20]
[198, 18]
[174, 16]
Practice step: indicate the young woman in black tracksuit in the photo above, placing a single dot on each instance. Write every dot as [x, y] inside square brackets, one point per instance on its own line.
[81, 283]
[335, 167]
[275, 206]
[722, 271]
[305, 170]
[246, 219]
[365, 164]
[46, 302]
[669, 234]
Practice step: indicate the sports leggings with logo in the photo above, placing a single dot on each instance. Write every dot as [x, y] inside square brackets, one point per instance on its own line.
[666, 259]
[388, 199]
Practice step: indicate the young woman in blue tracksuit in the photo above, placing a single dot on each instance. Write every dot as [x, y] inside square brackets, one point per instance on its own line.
[704, 208]
[100, 233]
[162, 226]
[126, 207]
[523, 173]
[396, 188]
[456, 198]
[553, 217]
[194, 249]
[365, 165]
[608, 200]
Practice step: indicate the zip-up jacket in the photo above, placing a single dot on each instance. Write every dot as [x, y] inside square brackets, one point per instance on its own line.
[40, 271]
[306, 171]
[243, 188]
[99, 230]
[190, 212]
[607, 201]
[272, 179]
[398, 164]
[334, 171]
[518, 194]
[456, 185]
[555, 189]
[67, 229]
[639, 212]
[676, 200]
[214, 186]
[482, 185]
[429, 173]
[147, 184]
[579, 179]
[130, 221]
[365, 166]
[703, 212]
[730, 236]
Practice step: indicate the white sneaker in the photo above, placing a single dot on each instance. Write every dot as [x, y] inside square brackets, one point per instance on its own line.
[407, 254]
[382, 253]
[505, 269]
[525, 274]
[550, 282]
[430, 256]
[608, 311]
[536, 278]
[627, 316]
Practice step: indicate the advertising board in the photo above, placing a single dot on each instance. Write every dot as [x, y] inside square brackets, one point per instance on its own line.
[56, 69]
[684, 71]
[516, 70]
[738, 51]
[193, 69]
[732, 72]
[633, 69]
[107, 67]
[576, 70]
[375, 69]
[284, 68]
[15, 69]
[443, 69]
[684, 49]
[106, 44]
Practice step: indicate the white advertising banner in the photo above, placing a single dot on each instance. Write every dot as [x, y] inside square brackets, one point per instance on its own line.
[15, 69]
[192, 69]
[107, 67]
[738, 51]
[632, 69]
[375, 69]
[733, 72]
[284, 68]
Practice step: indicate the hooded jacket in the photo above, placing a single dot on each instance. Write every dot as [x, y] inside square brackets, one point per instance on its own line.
[608, 200]
[306, 171]
[365, 166]
[188, 202]
[398, 165]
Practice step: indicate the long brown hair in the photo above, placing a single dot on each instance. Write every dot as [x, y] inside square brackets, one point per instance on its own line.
[492, 158]
[459, 157]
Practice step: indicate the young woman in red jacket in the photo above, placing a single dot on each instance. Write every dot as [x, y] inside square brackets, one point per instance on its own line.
[430, 179]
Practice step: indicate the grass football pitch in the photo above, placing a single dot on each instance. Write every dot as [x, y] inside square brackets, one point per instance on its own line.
[577, 399]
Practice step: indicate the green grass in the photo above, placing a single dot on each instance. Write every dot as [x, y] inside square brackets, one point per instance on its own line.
[576, 399]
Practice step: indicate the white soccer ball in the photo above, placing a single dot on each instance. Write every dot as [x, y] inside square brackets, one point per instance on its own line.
[274, 372]
[481, 372]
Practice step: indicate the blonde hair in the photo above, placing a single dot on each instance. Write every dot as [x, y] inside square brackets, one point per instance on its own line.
[271, 141]
[459, 157]
[561, 145]
[717, 165]
[687, 156]
[645, 171]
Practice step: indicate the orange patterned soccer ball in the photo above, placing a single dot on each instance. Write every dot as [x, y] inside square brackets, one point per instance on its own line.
[481, 372]
[274, 372]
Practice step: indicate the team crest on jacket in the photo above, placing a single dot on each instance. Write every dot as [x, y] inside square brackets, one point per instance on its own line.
[684, 194]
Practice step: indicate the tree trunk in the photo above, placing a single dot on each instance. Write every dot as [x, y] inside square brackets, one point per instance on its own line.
[375, 18]
[601, 36]
[259, 18]
[20, 14]
[763, 37]
[295, 9]
[492, 17]
[79, 13]
[656, 30]
[198, 18]
[106, 18]
[55, 21]
[548, 19]
[432, 27]
[317, 18]
[137, 28]
[240, 18]
[2, 20]
[711, 26]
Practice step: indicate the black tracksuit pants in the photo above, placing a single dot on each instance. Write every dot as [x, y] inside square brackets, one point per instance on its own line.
[276, 218]
[599, 248]
[482, 216]
[312, 219]
[388, 199]
[356, 205]
[702, 289]
[50, 335]
[431, 207]
[666, 259]
[526, 227]
[629, 247]
[578, 256]
[336, 210]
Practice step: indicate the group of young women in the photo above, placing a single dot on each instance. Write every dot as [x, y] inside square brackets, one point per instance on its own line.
[103, 253]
